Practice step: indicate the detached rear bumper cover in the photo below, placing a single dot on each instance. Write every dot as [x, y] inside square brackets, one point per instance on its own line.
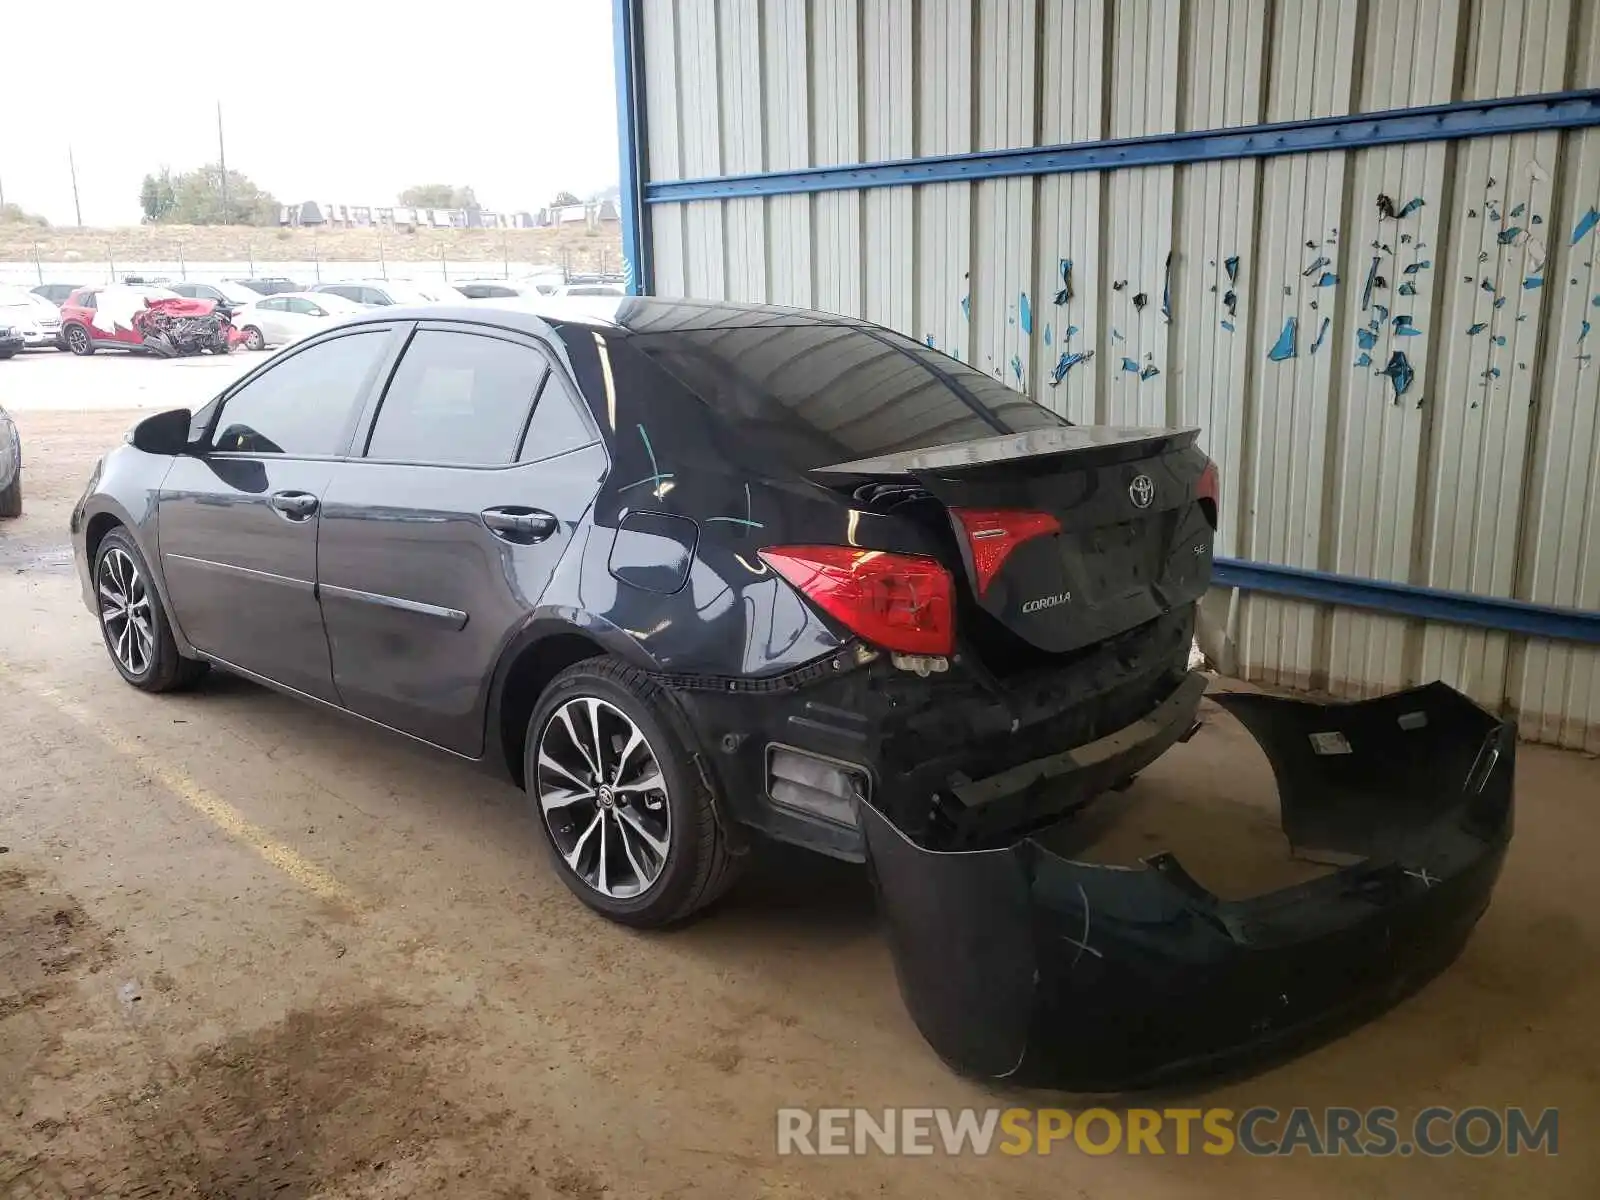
[1020, 963]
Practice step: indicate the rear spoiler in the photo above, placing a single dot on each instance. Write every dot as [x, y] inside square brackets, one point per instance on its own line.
[1089, 445]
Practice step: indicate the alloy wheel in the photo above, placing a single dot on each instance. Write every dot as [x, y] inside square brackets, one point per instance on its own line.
[125, 611]
[603, 797]
[77, 339]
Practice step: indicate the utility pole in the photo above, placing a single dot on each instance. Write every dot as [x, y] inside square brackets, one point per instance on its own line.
[76, 207]
[222, 161]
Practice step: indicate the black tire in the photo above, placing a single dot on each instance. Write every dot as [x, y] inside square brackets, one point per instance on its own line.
[698, 866]
[78, 339]
[163, 668]
[11, 498]
[254, 339]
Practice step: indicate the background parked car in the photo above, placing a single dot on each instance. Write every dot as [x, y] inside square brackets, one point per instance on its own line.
[107, 318]
[10, 467]
[268, 285]
[380, 292]
[56, 293]
[33, 317]
[228, 296]
[11, 342]
[279, 320]
[504, 289]
[589, 289]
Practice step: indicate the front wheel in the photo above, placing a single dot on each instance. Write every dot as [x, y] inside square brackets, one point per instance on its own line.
[79, 341]
[254, 339]
[132, 621]
[629, 820]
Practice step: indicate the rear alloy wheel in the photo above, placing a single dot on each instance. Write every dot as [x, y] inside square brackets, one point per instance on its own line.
[79, 341]
[253, 339]
[629, 819]
[133, 623]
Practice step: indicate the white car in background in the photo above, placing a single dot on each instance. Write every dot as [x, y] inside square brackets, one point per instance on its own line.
[380, 292]
[589, 289]
[290, 316]
[34, 317]
[507, 289]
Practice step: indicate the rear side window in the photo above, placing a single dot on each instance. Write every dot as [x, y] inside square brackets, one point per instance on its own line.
[557, 424]
[485, 291]
[457, 398]
[841, 392]
[349, 293]
[370, 296]
[302, 404]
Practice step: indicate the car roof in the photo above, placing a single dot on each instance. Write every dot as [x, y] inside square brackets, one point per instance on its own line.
[631, 314]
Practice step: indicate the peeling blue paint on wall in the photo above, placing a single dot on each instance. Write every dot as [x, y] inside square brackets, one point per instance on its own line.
[1506, 236]
[1585, 225]
[1499, 339]
[1231, 265]
[1408, 288]
[1150, 372]
[1329, 279]
[1026, 310]
[1322, 261]
[966, 307]
[1065, 292]
[1363, 359]
[1016, 367]
[1129, 365]
[1532, 282]
[1065, 363]
[1500, 302]
[1116, 335]
[1228, 325]
[1418, 266]
[1072, 331]
[1047, 334]
[1366, 338]
[1399, 373]
[1476, 328]
[1366, 291]
[1321, 334]
[1584, 331]
[929, 340]
[1404, 328]
[1284, 347]
[1412, 205]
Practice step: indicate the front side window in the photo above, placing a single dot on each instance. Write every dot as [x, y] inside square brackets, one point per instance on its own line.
[457, 398]
[302, 405]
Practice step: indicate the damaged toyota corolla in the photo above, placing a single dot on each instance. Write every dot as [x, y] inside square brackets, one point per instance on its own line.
[694, 574]
[144, 320]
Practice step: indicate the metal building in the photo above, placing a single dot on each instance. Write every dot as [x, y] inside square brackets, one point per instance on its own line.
[1353, 240]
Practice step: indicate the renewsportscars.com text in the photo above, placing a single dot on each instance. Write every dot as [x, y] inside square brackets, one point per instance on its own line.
[1258, 1131]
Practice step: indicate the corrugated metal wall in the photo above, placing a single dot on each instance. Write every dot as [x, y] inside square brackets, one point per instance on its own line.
[1396, 388]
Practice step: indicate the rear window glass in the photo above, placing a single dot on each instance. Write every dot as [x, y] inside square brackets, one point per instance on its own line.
[843, 392]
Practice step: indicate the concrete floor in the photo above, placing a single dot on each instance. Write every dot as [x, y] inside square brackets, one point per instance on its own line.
[249, 950]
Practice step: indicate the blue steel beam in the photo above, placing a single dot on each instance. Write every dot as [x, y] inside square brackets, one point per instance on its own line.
[1439, 122]
[634, 217]
[1409, 600]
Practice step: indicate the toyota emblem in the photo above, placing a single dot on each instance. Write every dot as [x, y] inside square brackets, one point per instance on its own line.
[1141, 491]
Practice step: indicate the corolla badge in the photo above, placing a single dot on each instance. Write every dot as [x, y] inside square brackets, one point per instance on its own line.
[1141, 491]
[1044, 602]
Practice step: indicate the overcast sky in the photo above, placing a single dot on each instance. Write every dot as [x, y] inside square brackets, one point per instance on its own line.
[338, 101]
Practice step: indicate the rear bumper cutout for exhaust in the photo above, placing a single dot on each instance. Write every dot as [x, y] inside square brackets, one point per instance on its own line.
[1023, 964]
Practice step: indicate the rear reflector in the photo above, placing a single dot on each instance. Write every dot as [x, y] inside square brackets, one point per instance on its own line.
[993, 533]
[897, 601]
[1209, 492]
[822, 787]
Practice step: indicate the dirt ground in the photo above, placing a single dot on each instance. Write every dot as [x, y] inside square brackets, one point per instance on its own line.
[249, 950]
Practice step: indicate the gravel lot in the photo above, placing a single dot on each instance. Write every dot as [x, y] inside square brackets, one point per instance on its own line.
[249, 950]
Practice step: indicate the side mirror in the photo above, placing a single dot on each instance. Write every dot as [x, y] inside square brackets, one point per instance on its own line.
[164, 433]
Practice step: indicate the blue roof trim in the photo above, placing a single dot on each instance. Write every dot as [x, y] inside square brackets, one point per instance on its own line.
[1408, 600]
[630, 143]
[1439, 122]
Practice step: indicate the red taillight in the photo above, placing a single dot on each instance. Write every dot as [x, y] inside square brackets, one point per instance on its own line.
[1208, 492]
[897, 601]
[993, 533]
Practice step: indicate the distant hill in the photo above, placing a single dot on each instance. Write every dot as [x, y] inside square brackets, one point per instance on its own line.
[578, 249]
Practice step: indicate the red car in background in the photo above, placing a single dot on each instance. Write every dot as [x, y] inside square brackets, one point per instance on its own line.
[143, 319]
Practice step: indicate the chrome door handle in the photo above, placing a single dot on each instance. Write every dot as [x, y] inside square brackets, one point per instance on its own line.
[524, 526]
[295, 506]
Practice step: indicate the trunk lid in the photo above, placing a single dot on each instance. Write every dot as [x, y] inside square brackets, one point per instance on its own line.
[1067, 536]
